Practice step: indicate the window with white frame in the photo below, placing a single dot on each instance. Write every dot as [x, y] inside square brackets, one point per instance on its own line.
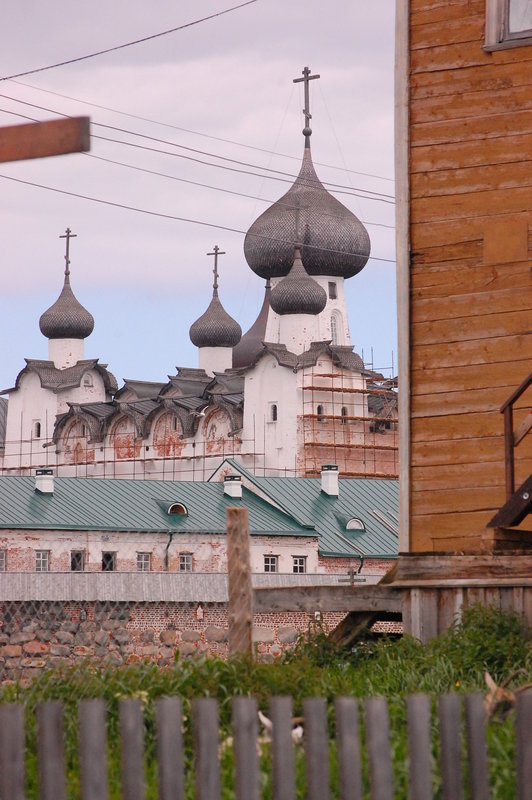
[77, 561]
[271, 563]
[299, 564]
[185, 562]
[3, 560]
[143, 562]
[508, 23]
[42, 561]
[334, 330]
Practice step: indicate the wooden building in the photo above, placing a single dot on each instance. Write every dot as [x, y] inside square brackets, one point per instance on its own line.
[464, 219]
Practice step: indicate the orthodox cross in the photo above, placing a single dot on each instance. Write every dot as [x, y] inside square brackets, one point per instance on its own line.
[68, 235]
[307, 77]
[41, 139]
[216, 252]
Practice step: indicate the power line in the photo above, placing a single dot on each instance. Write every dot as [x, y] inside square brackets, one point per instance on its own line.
[196, 133]
[191, 182]
[170, 216]
[385, 198]
[127, 44]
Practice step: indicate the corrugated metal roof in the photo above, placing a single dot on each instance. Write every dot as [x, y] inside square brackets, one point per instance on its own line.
[132, 505]
[375, 501]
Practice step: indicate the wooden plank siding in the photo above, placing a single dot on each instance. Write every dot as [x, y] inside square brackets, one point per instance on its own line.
[470, 226]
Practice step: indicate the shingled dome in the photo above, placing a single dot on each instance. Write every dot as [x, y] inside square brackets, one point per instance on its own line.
[215, 328]
[66, 319]
[333, 240]
[298, 293]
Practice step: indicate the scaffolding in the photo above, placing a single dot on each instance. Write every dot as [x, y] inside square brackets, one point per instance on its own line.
[353, 426]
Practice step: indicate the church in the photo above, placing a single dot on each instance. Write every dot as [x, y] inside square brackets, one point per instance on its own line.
[285, 398]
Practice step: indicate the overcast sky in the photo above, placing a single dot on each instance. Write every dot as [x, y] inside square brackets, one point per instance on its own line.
[223, 86]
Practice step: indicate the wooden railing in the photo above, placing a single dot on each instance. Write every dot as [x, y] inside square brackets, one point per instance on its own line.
[511, 437]
[169, 763]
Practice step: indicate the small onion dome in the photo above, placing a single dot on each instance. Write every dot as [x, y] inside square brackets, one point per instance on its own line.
[66, 319]
[250, 344]
[298, 293]
[215, 328]
[333, 240]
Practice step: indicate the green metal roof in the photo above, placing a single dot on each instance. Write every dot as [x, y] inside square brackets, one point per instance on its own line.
[133, 505]
[375, 501]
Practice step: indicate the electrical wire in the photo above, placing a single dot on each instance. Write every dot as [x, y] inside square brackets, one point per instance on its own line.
[386, 198]
[126, 44]
[196, 133]
[170, 216]
[188, 181]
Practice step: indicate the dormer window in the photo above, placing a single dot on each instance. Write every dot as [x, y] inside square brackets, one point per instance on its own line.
[87, 380]
[355, 524]
[177, 508]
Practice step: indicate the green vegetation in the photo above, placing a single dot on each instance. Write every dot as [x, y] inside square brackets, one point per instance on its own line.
[485, 640]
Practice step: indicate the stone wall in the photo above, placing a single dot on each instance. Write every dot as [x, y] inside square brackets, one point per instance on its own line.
[39, 635]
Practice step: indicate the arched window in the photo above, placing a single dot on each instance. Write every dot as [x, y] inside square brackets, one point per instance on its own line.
[87, 380]
[355, 524]
[36, 429]
[334, 330]
[343, 414]
[274, 412]
[178, 508]
[320, 413]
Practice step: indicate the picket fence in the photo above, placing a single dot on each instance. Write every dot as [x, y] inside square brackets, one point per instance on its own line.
[92, 744]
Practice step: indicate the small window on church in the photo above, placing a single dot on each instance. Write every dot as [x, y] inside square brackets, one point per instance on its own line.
[36, 429]
[320, 411]
[332, 291]
[175, 424]
[334, 330]
[87, 380]
[343, 414]
[272, 412]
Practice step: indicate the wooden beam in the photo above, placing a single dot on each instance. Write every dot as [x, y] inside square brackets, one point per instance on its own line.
[40, 139]
[326, 598]
[443, 569]
[240, 608]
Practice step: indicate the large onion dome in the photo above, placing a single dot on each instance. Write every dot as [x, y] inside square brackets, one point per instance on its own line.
[67, 318]
[215, 328]
[298, 293]
[333, 240]
[250, 344]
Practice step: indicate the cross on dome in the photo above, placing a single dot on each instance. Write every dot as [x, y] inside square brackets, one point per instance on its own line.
[216, 252]
[68, 235]
[307, 77]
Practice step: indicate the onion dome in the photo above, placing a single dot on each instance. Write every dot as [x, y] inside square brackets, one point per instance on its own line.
[215, 328]
[298, 293]
[333, 240]
[250, 344]
[67, 318]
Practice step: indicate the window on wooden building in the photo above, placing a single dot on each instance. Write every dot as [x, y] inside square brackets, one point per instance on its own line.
[108, 562]
[77, 561]
[299, 564]
[271, 563]
[186, 563]
[42, 561]
[508, 23]
[143, 562]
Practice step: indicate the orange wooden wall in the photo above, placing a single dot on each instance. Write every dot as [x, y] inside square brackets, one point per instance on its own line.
[470, 156]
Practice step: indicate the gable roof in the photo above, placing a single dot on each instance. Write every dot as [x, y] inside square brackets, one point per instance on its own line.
[132, 505]
[375, 501]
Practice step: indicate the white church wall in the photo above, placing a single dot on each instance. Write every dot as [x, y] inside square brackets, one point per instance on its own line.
[66, 352]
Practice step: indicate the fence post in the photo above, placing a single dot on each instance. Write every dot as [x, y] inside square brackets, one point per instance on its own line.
[12, 746]
[245, 734]
[378, 748]
[316, 748]
[93, 750]
[476, 747]
[449, 708]
[132, 749]
[348, 743]
[51, 751]
[240, 609]
[170, 762]
[523, 726]
[283, 766]
[206, 748]
[419, 746]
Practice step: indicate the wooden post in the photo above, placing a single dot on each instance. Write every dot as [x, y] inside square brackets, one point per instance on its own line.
[240, 591]
[40, 139]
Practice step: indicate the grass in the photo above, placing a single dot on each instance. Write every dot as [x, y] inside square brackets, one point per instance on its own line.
[485, 640]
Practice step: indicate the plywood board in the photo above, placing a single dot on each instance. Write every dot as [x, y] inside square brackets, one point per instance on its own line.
[455, 476]
[464, 130]
[479, 303]
[495, 350]
[466, 278]
[489, 77]
[483, 178]
[432, 209]
[483, 326]
[471, 105]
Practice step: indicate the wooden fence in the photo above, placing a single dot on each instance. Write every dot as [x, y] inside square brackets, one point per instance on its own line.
[355, 755]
